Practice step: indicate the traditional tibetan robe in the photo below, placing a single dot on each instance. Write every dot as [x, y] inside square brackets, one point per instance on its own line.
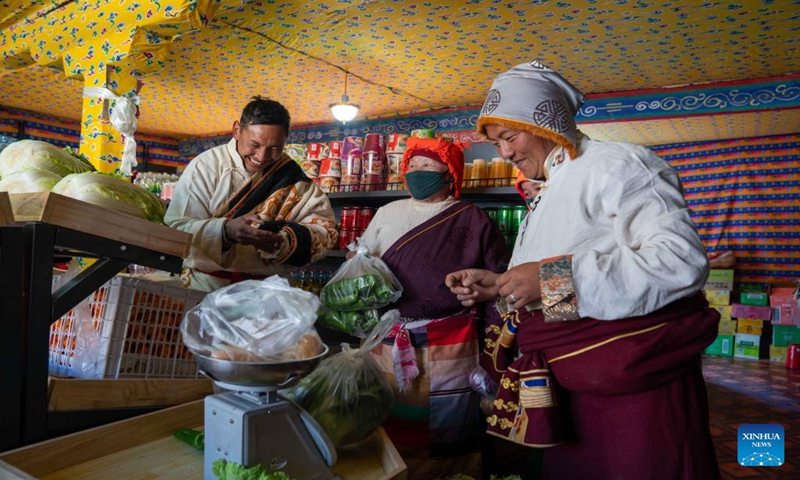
[216, 186]
[435, 422]
[605, 370]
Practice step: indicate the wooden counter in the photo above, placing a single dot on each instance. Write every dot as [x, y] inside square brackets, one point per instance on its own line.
[143, 447]
[84, 217]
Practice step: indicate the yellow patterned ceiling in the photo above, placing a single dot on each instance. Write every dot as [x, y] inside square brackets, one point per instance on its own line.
[415, 56]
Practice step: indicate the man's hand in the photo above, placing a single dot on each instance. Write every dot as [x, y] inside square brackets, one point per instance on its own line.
[244, 231]
[519, 286]
[472, 285]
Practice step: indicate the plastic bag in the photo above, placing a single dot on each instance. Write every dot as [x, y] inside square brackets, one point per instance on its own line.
[254, 321]
[348, 394]
[358, 323]
[482, 383]
[363, 282]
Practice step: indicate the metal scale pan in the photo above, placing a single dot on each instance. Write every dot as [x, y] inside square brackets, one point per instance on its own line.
[257, 376]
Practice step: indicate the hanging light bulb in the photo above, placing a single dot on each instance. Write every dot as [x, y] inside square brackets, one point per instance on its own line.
[344, 111]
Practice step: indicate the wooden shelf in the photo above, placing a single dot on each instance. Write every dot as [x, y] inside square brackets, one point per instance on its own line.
[381, 197]
[144, 446]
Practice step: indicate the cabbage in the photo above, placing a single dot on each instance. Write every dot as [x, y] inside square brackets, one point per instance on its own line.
[35, 155]
[112, 193]
[29, 181]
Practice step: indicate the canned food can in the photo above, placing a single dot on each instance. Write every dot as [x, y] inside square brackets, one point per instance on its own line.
[346, 237]
[504, 219]
[517, 215]
[350, 217]
[365, 216]
[492, 213]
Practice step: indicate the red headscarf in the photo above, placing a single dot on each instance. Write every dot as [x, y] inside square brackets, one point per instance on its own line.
[441, 150]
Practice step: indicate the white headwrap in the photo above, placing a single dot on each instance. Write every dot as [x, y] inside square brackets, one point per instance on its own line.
[532, 97]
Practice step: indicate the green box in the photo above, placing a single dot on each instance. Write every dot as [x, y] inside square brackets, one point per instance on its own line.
[747, 346]
[784, 335]
[722, 346]
[719, 279]
[756, 299]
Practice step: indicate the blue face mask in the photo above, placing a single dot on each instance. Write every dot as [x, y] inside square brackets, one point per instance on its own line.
[423, 184]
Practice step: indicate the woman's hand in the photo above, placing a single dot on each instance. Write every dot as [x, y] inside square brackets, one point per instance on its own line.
[519, 286]
[472, 285]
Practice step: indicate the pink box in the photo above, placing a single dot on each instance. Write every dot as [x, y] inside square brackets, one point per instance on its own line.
[782, 301]
[751, 311]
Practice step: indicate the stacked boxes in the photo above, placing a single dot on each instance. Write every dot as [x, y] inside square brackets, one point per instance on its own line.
[718, 293]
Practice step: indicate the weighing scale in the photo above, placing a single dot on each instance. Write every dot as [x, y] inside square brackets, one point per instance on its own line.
[252, 424]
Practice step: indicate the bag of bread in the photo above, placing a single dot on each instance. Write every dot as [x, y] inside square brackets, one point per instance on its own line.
[254, 321]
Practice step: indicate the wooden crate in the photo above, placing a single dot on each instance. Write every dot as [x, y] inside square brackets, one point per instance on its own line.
[70, 394]
[143, 447]
[74, 214]
[6, 212]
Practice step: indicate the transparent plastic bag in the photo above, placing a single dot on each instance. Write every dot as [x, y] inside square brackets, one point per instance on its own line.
[358, 323]
[482, 383]
[254, 321]
[363, 282]
[348, 394]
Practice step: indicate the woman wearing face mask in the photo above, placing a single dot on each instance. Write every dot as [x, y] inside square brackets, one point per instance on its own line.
[435, 422]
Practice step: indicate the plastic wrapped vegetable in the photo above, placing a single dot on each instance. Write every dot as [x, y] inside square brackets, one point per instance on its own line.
[363, 282]
[37, 155]
[358, 323]
[112, 193]
[347, 394]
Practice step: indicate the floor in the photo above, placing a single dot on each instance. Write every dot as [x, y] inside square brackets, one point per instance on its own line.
[747, 391]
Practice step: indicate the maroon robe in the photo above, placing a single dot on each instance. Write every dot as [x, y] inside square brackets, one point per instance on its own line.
[613, 399]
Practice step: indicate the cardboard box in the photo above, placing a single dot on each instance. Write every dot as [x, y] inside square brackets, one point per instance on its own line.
[784, 335]
[750, 325]
[718, 297]
[777, 354]
[783, 304]
[756, 294]
[746, 346]
[750, 311]
[724, 312]
[722, 346]
[727, 327]
[719, 279]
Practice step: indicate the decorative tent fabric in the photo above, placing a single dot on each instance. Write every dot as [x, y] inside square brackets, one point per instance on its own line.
[744, 196]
